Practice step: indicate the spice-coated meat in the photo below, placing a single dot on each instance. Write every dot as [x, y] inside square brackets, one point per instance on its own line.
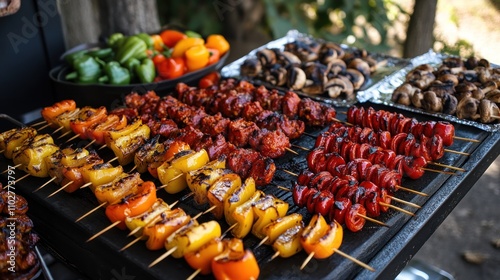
[240, 131]
[271, 144]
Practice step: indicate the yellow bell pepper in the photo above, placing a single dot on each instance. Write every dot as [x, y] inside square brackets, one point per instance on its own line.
[219, 191]
[183, 45]
[67, 157]
[152, 151]
[197, 57]
[191, 162]
[65, 119]
[266, 210]
[276, 228]
[121, 186]
[190, 239]
[244, 217]
[321, 238]
[11, 139]
[170, 221]
[101, 174]
[144, 219]
[173, 179]
[126, 146]
[288, 243]
[237, 197]
[32, 153]
[201, 179]
[218, 42]
[113, 135]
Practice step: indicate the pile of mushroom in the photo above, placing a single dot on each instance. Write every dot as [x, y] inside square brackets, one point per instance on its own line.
[467, 89]
[312, 67]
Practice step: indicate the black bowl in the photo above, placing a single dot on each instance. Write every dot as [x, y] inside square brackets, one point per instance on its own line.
[112, 95]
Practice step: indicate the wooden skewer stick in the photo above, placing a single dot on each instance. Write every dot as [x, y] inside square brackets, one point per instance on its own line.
[137, 229]
[159, 259]
[300, 147]
[55, 131]
[86, 185]
[276, 254]
[438, 171]
[13, 167]
[290, 172]
[46, 183]
[1, 152]
[39, 123]
[72, 138]
[131, 243]
[60, 189]
[358, 262]
[447, 166]
[309, 134]
[45, 126]
[103, 231]
[64, 134]
[456, 152]
[291, 151]
[102, 147]
[91, 211]
[17, 181]
[412, 191]
[206, 211]
[405, 202]
[262, 242]
[193, 275]
[228, 230]
[90, 143]
[133, 168]
[173, 179]
[372, 220]
[466, 139]
[113, 159]
[396, 208]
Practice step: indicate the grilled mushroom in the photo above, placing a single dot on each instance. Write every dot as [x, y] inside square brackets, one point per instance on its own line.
[251, 67]
[417, 97]
[296, 78]
[420, 78]
[483, 74]
[305, 51]
[471, 63]
[484, 63]
[455, 64]
[334, 87]
[266, 56]
[315, 78]
[467, 108]
[431, 102]
[357, 79]
[448, 79]
[330, 51]
[276, 75]
[450, 103]
[441, 88]
[288, 58]
[403, 94]
[360, 65]
[493, 96]
[488, 111]
[336, 66]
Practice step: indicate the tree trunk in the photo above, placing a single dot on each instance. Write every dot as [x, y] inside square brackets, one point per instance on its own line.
[128, 16]
[420, 37]
[79, 21]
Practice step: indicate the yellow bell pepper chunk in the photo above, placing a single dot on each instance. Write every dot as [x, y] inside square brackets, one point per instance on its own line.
[121, 186]
[113, 135]
[237, 197]
[288, 243]
[191, 162]
[244, 217]
[32, 153]
[152, 151]
[220, 190]
[65, 119]
[11, 139]
[173, 179]
[190, 239]
[170, 221]
[147, 217]
[67, 157]
[184, 44]
[276, 228]
[266, 210]
[101, 174]
[126, 146]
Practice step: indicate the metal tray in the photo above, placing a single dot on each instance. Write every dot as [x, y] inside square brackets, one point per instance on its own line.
[100, 259]
[393, 64]
[382, 92]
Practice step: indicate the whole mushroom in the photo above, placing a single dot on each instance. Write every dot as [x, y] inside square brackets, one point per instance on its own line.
[431, 102]
[488, 111]
[468, 108]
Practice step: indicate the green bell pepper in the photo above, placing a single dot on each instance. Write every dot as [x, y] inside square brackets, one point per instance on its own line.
[146, 71]
[130, 65]
[146, 38]
[87, 70]
[71, 57]
[101, 53]
[132, 47]
[192, 34]
[114, 39]
[115, 74]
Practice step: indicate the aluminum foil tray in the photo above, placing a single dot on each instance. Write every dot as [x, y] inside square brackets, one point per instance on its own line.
[381, 92]
[390, 65]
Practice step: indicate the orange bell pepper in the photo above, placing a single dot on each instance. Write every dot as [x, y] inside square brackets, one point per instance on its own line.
[87, 118]
[74, 174]
[321, 238]
[171, 37]
[214, 56]
[216, 41]
[133, 205]
[197, 57]
[171, 149]
[98, 131]
[158, 44]
[50, 113]
[235, 263]
[170, 221]
[202, 258]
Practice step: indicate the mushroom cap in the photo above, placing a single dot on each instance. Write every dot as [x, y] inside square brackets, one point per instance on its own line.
[448, 79]
[493, 95]
[360, 65]
[465, 86]
[296, 78]
[487, 110]
[335, 87]
[251, 67]
[336, 66]
[431, 102]
[266, 56]
[416, 99]
[450, 103]
[357, 79]
[467, 108]
[287, 58]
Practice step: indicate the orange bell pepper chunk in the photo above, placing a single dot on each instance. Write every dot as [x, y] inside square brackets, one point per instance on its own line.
[321, 238]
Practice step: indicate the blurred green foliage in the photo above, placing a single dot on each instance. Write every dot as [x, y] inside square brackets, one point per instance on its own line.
[361, 23]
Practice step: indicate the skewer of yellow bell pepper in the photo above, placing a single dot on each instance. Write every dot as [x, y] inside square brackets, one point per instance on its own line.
[266, 210]
[12, 139]
[31, 153]
[219, 191]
